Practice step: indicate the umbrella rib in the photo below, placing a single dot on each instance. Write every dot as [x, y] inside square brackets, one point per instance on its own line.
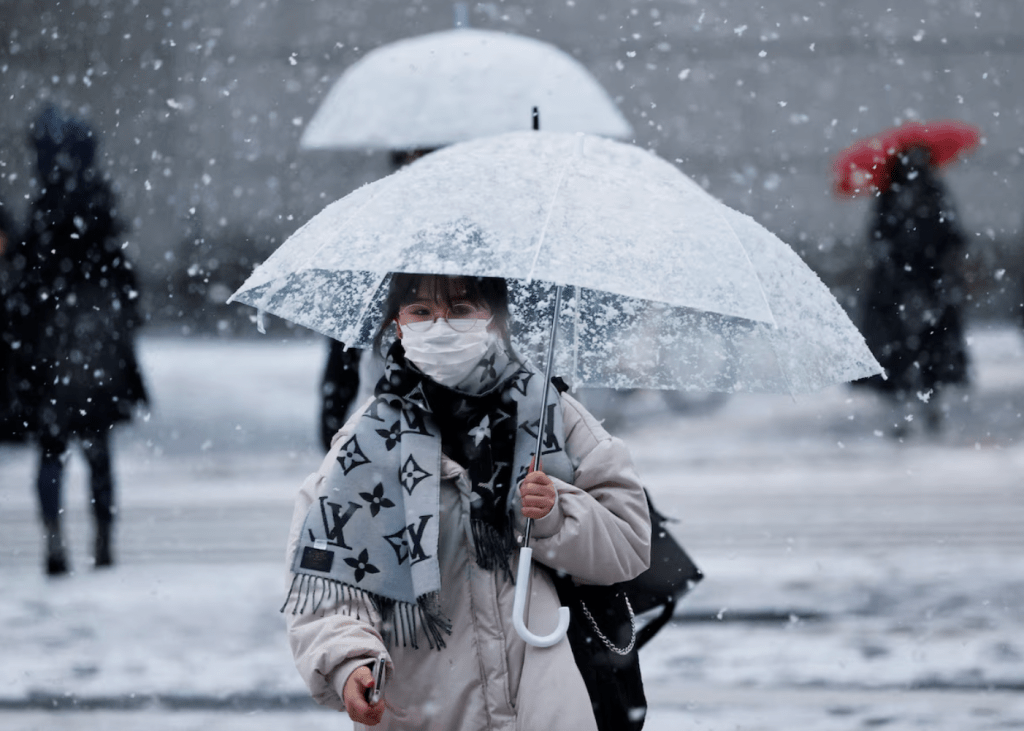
[753, 269]
[313, 255]
[371, 295]
[547, 218]
[764, 296]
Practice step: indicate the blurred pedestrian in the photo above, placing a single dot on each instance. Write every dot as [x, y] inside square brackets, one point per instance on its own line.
[912, 318]
[75, 313]
[352, 373]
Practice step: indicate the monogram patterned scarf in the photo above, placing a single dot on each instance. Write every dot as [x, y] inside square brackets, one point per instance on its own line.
[372, 535]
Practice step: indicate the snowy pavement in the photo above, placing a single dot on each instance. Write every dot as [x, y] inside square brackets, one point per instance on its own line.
[852, 580]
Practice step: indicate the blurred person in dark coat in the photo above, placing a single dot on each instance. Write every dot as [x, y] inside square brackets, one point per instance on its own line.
[912, 319]
[75, 311]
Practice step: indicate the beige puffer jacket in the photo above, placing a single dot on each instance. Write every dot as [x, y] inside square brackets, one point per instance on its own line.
[487, 677]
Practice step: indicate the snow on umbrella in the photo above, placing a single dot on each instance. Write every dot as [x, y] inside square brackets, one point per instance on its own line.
[865, 166]
[666, 287]
[432, 90]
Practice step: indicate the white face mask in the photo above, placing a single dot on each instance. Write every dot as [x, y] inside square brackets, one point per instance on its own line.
[444, 354]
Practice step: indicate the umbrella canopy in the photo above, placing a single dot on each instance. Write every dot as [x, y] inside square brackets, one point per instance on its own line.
[865, 166]
[666, 286]
[436, 89]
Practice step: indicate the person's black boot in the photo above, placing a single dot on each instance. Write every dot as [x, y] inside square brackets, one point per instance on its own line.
[103, 554]
[56, 558]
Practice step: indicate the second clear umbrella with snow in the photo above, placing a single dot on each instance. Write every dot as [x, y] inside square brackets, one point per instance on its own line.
[433, 90]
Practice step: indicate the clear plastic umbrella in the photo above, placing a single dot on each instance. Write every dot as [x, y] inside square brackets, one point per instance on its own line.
[432, 90]
[666, 287]
[625, 271]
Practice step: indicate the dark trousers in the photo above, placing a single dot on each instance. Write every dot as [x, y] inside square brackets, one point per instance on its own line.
[96, 447]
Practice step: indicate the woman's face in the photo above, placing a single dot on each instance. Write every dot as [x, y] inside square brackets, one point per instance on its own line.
[430, 304]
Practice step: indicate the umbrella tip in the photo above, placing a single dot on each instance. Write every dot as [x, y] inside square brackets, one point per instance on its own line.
[535, 116]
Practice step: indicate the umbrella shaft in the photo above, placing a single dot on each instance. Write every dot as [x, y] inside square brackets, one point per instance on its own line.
[541, 426]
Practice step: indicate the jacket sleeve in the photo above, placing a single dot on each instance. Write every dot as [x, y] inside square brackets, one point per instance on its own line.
[341, 634]
[599, 531]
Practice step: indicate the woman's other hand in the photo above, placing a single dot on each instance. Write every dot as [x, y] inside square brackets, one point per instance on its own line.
[354, 696]
[538, 495]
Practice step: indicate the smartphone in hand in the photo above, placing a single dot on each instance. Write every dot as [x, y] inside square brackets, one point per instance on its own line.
[379, 670]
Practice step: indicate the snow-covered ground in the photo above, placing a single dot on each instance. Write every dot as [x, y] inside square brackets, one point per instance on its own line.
[852, 580]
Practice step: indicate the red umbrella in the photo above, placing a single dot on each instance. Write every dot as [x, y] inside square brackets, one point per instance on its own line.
[865, 166]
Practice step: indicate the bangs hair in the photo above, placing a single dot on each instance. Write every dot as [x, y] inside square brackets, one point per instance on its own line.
[405, 289]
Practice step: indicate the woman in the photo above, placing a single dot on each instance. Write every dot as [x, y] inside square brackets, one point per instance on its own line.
[912, 317]
[404, 541]
[75, 313]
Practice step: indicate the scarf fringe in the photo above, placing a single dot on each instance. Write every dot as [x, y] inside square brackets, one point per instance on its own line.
[494, 547]
[405, 622]
[401, 621]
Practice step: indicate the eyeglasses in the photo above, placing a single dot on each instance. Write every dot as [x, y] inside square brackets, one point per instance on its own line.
[461, 317]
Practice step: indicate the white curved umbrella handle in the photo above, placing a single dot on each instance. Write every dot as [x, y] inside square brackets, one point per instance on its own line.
[519, 607]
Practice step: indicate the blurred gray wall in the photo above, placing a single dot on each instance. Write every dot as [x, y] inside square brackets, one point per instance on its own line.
[200, 103]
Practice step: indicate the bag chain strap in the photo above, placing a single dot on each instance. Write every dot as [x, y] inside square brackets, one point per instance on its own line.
[605, 640]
